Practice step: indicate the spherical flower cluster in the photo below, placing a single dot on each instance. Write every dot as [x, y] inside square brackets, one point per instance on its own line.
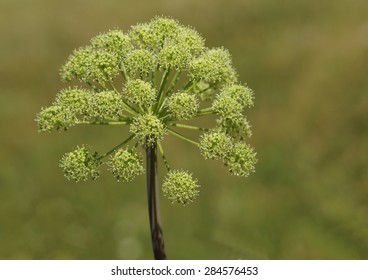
[126, 164]
[105, 105]
[88, 64]
[241, 160]
[174, 57]
[182, 105]
[114, 42]
[230, 104]
[226, 106]
[215, 145]
[240, 93]
[140, 93]
[213, 66]
[173, 43]
[74, 99]
[140, 62]
[55, 117]
[239, 157]
[180, 187]
[80, 164]
[148, 129]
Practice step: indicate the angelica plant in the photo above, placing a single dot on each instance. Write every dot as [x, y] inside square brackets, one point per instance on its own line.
[153, 78]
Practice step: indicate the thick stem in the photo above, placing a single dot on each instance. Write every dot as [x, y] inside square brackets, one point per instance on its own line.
[157, 238]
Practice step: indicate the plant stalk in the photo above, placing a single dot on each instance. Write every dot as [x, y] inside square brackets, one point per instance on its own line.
[157, 238]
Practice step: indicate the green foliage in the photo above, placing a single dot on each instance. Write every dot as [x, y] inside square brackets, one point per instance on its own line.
[150, 59]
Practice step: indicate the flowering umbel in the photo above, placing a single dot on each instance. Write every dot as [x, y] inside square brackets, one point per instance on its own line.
[153, 78]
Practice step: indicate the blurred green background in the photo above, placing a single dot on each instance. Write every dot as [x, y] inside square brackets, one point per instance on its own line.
[307, 62]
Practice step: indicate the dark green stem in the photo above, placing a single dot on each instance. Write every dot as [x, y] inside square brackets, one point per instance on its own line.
[157, 238]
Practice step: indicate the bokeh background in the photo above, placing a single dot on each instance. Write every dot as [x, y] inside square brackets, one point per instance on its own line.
[307, 62]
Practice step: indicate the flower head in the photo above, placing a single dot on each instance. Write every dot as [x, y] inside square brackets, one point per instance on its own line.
[105, 105]
[215, 145]
[241, 160]
[114, 41]
[180, 187]
[240, 93]
[55, 117]
[191, 39]
[140, 93]
[74, 99]
[148, 129]
[182, 105]
[88, 64]
[213, 66]
[140, 61]
[126, 164]
[154, 78]
[80, 164]
[227, 106]
[174, 56]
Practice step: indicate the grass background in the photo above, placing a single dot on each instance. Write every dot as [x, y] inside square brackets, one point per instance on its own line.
[307, 62]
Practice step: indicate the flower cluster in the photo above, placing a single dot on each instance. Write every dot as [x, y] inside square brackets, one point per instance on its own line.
[239, 157]
[148, 129]
[152, 78]
[182, 105]
[179, 186]
[140, 93]
[105, 105]
[126, 164]
[80, 164]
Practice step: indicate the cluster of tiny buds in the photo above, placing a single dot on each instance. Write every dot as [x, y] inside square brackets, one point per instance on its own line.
[152, 78]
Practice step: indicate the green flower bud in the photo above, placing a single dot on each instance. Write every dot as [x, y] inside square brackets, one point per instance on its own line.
[114, 42]
[242, 94]
[227, 106]
[236, 127]
[182, 105]
[87, 64]
[126, 164]
[179, 186]
[80, 164]
[241, 160]
[140, 62]
[140, 93]
[75, 99]
[213, 66]
[148, 129]
[215, 145]
[105, 105]
[56, 117]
